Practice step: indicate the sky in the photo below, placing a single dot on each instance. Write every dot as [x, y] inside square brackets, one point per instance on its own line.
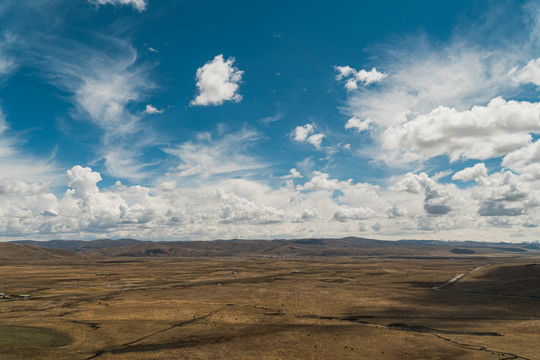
[205, 119]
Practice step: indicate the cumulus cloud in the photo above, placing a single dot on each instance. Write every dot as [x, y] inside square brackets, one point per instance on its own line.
[229, 208]
[447, 99]
[412, 183]
[471, 173]
[492, 208]
[151, 110]
[357, 124]
[437, 200]
[236, 209]
[530, 74]
[307, 133]
[395, 212]
[139, 5]
[525, 161]
[354, 77]
[347, 213]
[83, 179]
[85, 206]
[218, 81]
[322, 181]
[503, 186]
[480, 133]
[307, 215]
[19, 187]
[354, 195]
[294, 174]
[301, 133]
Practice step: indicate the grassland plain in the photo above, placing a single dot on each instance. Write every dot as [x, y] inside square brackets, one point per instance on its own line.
[272, 308]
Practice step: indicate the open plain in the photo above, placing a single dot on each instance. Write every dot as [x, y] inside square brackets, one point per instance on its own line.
[272, 307]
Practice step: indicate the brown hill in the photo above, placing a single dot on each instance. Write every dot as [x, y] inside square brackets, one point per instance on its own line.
[15, 252]
[507, 280]
[308, 248]
[315, 247]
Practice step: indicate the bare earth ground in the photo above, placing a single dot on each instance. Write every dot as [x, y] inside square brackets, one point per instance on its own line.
[338, 308]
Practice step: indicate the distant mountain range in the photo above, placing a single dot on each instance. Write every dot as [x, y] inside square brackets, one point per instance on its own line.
[314, 247]
[10, 251]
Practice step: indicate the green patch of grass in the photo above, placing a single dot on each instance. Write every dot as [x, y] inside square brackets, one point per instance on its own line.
[13, 337]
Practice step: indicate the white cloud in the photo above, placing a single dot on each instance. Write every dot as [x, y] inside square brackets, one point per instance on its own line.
[217, 82]
[270, 119]
[525, 161]
[230, 208]
[308, 134]
[151, 110]
[412, 183]
[347, 213]
[322, 181]
[438, 199]
[503, 186]
[139, 5]
[316, 140]
[10, 186]
[530, 74]
[101, 76]
[83, 179]
[236, 209]
[103, 85]
[455, 76]
[435, 83]
[294, 174]
[307, 215]
[354, 77]
[357, 124]
[493, 208]
[6, 65]
[225, 155]
[480, 133]
[301, 133]
[444, 100]
[395, 212]
[15, 164]
[471, 173]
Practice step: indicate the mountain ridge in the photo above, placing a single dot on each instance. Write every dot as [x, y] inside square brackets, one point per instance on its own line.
[306, 247]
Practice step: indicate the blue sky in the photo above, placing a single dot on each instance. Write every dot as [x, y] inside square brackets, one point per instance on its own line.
[177, 120]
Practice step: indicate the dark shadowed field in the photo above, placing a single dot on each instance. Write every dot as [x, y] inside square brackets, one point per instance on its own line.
[272, 308]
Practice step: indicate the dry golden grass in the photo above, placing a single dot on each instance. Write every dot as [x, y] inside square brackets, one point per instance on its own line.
[340, 308]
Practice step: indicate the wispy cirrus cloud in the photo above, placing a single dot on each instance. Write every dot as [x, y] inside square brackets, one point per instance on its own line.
[102, 76]
[15, 163]
[103, 84]
[139, 5]
[209, 156]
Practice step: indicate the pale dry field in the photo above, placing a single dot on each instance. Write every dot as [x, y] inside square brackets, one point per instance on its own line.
[339, 308]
